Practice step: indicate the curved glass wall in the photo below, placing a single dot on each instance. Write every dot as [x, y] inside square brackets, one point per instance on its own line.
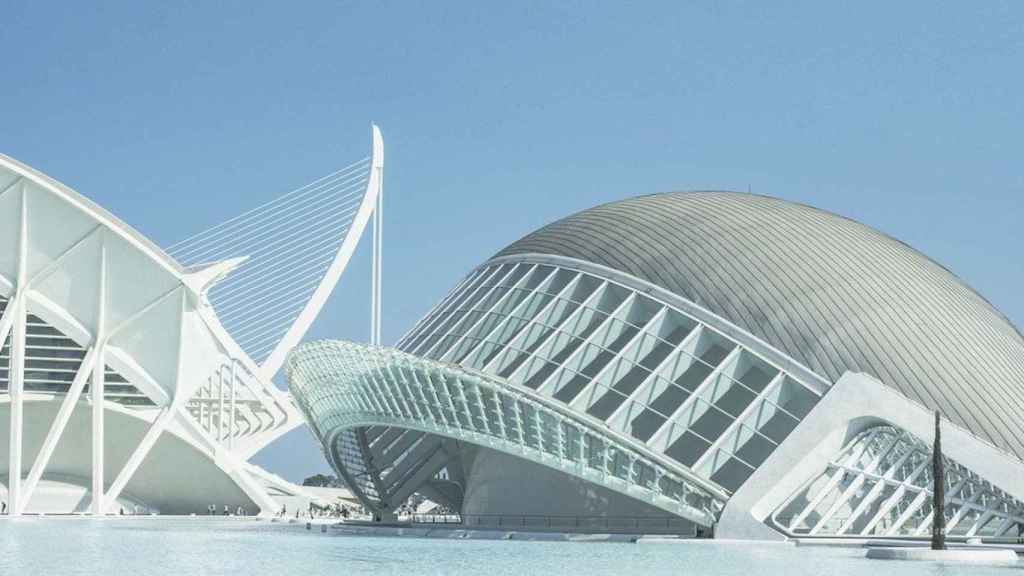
[52, 360]
[407, 408]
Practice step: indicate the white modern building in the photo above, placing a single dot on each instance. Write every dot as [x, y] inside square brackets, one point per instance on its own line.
[707, 361]
[139, 379]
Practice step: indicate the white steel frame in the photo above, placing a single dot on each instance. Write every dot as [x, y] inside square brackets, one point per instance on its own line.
[343, 386]
[600, 351]
[56, 349]
[488, 321]
[885, 457]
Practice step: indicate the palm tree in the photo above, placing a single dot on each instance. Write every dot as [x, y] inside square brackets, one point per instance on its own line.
[938, 492]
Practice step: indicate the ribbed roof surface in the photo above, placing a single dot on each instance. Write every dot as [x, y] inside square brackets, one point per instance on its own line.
[832, 293]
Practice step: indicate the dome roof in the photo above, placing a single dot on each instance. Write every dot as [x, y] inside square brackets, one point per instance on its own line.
[830, 292]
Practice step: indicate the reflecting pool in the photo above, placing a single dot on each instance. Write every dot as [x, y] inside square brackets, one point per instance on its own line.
[195, 546]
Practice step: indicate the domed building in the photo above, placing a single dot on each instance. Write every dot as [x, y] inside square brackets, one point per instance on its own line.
[691, 363]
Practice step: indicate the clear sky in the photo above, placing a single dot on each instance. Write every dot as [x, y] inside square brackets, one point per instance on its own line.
[500, 117]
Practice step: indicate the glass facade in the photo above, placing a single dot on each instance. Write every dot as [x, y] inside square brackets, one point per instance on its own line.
[52, 360]
[389, 396]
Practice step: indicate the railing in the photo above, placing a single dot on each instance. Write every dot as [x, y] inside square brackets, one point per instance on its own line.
[569, 523]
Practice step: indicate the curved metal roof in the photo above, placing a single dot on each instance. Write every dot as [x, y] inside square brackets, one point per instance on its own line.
[830, 292]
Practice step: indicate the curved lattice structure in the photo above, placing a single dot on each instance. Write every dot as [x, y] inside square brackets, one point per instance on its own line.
[880, 484]
[385, 388]
[829, 292]
[713, 334]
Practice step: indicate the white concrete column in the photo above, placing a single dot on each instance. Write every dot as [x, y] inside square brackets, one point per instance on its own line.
[201, 398]
[57, 428]
[231, 415]
[98, 389]
[209, 407]
[375, 275]
[378, 239]
[220, 403]
[16, 383]
[16, 368]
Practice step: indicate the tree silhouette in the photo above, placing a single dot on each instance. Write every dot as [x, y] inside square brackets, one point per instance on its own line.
[938, 491]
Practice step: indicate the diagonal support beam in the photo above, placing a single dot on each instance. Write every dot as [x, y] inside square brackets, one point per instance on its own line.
[740, 420]
[426, 470]
[384, 441]
[418, 454]
[137, 457]
[64, 256]
[7, 319]
[67, 407]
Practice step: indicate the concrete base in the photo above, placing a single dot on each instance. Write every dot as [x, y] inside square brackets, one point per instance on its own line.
[457, 533]
[1001, 557]
[179, 476]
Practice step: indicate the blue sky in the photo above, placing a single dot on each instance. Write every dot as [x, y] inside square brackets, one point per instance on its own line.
[500, 117]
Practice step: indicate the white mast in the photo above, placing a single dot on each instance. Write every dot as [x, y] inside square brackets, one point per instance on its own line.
[376, 289]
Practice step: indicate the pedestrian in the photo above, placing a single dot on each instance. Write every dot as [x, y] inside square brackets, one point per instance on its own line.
[226, 512]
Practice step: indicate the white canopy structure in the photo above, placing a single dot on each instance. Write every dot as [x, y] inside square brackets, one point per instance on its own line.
[133, 377]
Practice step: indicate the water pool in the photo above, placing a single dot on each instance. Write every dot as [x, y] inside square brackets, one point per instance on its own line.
[196, 546]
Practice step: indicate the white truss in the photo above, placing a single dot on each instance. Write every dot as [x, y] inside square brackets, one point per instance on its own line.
[612, 350]
[97, 320]
[343, 386]
[661, 376]
[879, 484]
[604, 352]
